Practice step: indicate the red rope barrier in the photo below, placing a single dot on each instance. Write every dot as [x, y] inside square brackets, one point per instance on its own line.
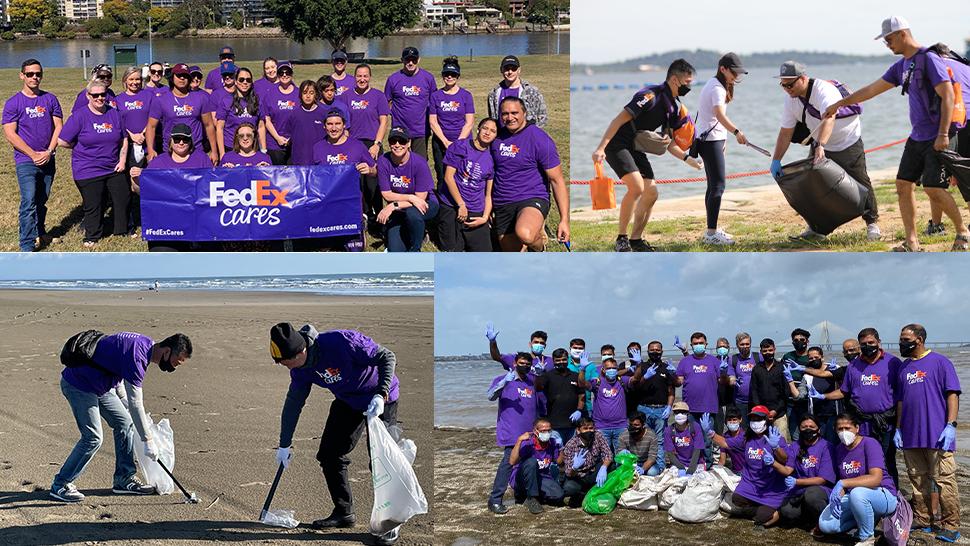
[730, 176]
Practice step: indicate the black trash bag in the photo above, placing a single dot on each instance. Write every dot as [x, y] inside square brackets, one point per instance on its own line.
[959, 168]
[824, 194]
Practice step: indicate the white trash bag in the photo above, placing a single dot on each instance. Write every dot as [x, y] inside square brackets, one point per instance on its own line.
[700, 500]
[397, 494]
[667, 497]
[280, 518]
[151, 472]
[643, 495]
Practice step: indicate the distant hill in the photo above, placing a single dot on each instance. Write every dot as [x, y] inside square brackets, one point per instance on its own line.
[704, 59]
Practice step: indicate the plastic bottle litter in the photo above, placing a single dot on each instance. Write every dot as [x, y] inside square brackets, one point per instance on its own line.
[280, 518]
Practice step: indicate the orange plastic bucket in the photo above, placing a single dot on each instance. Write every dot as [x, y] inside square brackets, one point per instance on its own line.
[601, 190]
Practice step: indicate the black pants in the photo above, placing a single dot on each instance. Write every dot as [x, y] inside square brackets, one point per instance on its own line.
[280, 157]
[804, 509]
[343, 429]
[134, 205]
[713, 155]
[749, 509]
[529, 483]
[853, 161]
[419, 145]
[576, 487]
[438, 153]
[93, 198]
[455, 237]
[373, 202]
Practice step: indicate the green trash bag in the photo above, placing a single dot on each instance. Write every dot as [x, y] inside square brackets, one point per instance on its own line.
[602, 500]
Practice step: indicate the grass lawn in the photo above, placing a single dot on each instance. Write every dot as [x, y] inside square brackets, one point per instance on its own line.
[549, 72]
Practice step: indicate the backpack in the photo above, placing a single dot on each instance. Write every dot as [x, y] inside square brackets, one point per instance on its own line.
[958, 119]
[895, 528]
[79, 349]
[801, 128]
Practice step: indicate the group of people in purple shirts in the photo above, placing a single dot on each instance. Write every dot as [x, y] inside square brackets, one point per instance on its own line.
[814, 442]
[492, 181]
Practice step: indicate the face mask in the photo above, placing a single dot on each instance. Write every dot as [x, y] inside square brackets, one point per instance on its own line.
[537, 348]
[610, 373]
[851, 356]
[815, 363]
[586, 437]
[768, 357]
[576, 353]
[758, 426]
[604, 357]
[544, 436]
[906, 348]
[870, 351]
[722, 351]
[634, 430]
[699, 348]
[655, 357]
[683, 90]
[523, 370]
[799, 345]
[733, 427]
[680, 418]
[561, 365]
[166, 365]
[847, 437]
[744, 352]
[807, 435]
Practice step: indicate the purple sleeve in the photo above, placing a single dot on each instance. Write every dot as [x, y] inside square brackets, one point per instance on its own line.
[526, 450]
[11, 112]
[546, 152]
[668, 440]
[362, 349]
[364, 155]
[735, 442]
[593, 384]
[432, 85]
[384, 173]
[895, 73]
[698, 436]
[422, 175]
[846, 386]
[874, 456]
[826, 469]
[682, 367]
[935, 69]
[495, 382]
[453, 155]
[155, 110]
[469, 102]
[951, 383]
[389, 87]
[508, 361]
[732, 369]
[71, 129]
[56, 107]
[792, 451]
[77, 101]
[211, 103]
[640, 102]
[221, 109]
[625, 380]
[435, 104]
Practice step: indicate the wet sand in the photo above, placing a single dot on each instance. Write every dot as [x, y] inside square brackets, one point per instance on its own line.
[224, 405]
[465, 463]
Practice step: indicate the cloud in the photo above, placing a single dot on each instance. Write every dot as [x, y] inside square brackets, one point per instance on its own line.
[665, 315]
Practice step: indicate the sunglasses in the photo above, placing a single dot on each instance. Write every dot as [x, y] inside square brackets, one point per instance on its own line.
[509, 68]
[339, 61]
[228, 77]
[285, 72]
[183, 76]
[196, 77]
[181, 140]
[449, 75]
[244, 80]
[225, 56]
[33, 74]
[400, 141]
[411, 60]
[156, 72]
[245, 135]
[97, 95]
[788, 85]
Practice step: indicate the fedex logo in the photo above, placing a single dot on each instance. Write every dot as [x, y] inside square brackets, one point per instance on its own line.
[918, 377]
[102, 128]
[411, 90]
[449, 106]
[508, 150]
[285, 104]
[338, 159]
[699, 368]
[544, 462]
[851, 467]
[341, 89]
[647, 97]
[134, 105]
[184, 110]
[811, 461]
[359, 104]
[401, 182]
[871, 380]
[746, 367]
[610, 392]
[36, 112]
[682, 441]
[261, 200]
[756, 453]
[525, 392]
[330, 375]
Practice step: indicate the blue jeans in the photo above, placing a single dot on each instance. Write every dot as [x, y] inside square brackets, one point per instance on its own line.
[529, 483]
[860, 508]
[88, 408]
[405, 228]
[35, 187]
[502, 476]
[656, 423]
[612, 436]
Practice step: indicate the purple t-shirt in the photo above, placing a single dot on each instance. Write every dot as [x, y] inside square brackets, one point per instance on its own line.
[234, 119]
[197, 160]
[306, 128]
[351, 152]
[171, 110]
[410, 177]
[871, 386]
[82, 99]
[817, 463]
[345, 365]
[236, 160]
[451, 110]
[134, 109]
[215, 100]
[410, 97]
[742, 369]
[857, 462]
[923, 386]
[609, 401]
[700, 382]
[682, 443]
[473, 169]
[544, 455]
[97, 141]
[365, 112]
[736, 453]
[928, 71]
[339, 104]
[279, 107]
[518, 408]
[213, 80]
[262, 85]
[520, 161]
[34, 118]
[508, 362]
[156, 91]
[125, 355]
[759, 482]
[504, 92]
[344, 85]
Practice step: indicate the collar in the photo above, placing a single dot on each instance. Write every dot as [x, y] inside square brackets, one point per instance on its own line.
[926, 352]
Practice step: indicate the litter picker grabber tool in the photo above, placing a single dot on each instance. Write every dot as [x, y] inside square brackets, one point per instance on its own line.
[190, 498]
[272, 491]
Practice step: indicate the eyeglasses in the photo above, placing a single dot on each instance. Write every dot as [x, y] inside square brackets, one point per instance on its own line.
[245, 135]
[98, 95]
[33, 74]
[788, 85]
[181, 140]
[400, 141]
[156, 72]
[244, 80]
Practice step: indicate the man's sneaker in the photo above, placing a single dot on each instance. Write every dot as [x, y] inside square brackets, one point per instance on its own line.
[946, 535]
[389, 537]
[67, 493]
[873, 233]
[719, 237]
[639, 245]
[133, 487]
[622, 244]
[533, 505]
[808, 235]
[497, 508]
[335, 520]
[935, 229]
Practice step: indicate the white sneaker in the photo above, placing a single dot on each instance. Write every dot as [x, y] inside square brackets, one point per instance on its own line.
[873, 233]
[719, 237]
[67, 493]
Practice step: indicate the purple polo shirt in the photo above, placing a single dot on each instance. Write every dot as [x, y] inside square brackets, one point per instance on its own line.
[134, 109]
[742, 369]
[520, 161]
[365, 112]
[508, 362]
[410, 97]
[682, 443]
[97, 141]
[344, 85]
[412, 176]
[125, 355]
[451, 110]
[82, 99]
[546, 456]
[473, 169]
[345, 365]
[928, 71]
[236, 160]
[279, 107]
[857, 462]
[171, 110]
[34, 117]
[306, 128]
[816, 463]
[871, 385]
[518, 408]
[759, 482]
[700, 382]
[351, 152]
[923, 384]
[609, 401]
[234, 119]
[197, 160]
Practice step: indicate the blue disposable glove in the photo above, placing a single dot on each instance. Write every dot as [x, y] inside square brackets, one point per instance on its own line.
[579, 459]
[813, 393]
[584, 359]
[623, 451]
[635, 356]
[665, 413]
[835, 499]
[601, 476]
[511, 376]
[538, 368]
[682, 473]
[706, 425]
[490, 332]
[575, 416]
[898, 439]
[794, 366]
[787, 372]
[775, 168]
[790, 483]
[724, 364]
[638, 470]
[651, 371]
[948, 438]
[768, 459]
[670, 367]
[773, 437]
[677, 343]
[832, 365]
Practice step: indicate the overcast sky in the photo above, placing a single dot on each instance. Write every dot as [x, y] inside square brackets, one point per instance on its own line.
[603, 31]
[608, 298]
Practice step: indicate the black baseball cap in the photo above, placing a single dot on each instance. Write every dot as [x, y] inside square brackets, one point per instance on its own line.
[226, 51]
[336, 112]
[338, 54]
[285, 341]
[181, 130]
[410, 52]
[732, 62]
[450, 68]
[510, 60]
[398, 132]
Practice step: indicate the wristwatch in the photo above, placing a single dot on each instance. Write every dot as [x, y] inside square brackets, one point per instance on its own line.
[397, 205]
[954, 423]
[736, 131]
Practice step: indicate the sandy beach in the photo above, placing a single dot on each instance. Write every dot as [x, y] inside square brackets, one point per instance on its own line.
[465, 462]
[224, 406]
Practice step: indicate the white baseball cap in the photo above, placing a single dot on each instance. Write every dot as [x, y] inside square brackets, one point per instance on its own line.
[891, 25]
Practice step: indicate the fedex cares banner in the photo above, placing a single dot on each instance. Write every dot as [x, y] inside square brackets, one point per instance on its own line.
[250, 204]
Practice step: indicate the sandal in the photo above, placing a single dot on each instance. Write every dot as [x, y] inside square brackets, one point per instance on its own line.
[960, 242]
[904, 247]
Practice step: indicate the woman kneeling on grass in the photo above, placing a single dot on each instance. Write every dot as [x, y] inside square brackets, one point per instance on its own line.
[406, 184]
[243, 152]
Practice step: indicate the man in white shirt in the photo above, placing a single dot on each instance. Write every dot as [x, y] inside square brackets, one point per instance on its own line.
[838, 138]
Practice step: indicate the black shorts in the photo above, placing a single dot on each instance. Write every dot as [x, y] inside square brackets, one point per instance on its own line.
[505, 215]
[625, 161]
[963, 150]
[921, 165]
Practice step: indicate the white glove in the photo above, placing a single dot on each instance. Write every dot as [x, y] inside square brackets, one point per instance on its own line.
[695, 163]
[376, 406]
[283, 455]
[150, 450]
